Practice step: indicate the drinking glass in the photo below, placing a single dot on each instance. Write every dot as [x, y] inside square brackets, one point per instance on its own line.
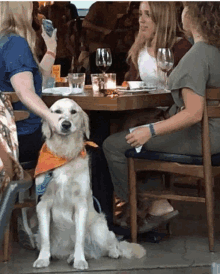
[76, 82]
[165, 62]
[103, 59]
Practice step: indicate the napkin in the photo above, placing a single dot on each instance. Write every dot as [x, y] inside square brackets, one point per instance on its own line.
[138, 149]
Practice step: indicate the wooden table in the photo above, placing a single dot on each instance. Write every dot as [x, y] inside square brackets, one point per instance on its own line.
[125, 101]
[114, 107]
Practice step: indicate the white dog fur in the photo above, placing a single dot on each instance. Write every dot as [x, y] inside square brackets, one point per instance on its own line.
[69, 226]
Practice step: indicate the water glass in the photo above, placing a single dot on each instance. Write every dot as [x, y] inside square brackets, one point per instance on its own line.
[104, 83]
[48, 82]
[96, 80]
[76, 82]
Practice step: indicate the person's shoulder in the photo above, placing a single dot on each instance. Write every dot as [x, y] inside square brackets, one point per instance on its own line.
[12, 39]
[197, 55]
[203, 45]
[98, 5]
[17, 38]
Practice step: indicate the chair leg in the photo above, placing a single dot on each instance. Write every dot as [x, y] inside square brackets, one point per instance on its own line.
[210, 212]
[6, 245]
[114, 208]
[199, 187]
[132, 199]
[168, 229]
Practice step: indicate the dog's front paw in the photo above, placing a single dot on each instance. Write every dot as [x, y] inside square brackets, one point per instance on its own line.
[80, 264]
[39, 263]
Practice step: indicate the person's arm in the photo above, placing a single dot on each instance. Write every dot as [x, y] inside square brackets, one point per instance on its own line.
[190, 115]
[88, 25]
[23, 85]
[48, 60]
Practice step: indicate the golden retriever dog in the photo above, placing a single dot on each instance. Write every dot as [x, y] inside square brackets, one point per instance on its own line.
[69, 225]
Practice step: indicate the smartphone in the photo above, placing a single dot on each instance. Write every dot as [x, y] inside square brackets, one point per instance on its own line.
[48, 26]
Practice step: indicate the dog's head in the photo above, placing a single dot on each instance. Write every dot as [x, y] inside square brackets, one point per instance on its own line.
[72, 118]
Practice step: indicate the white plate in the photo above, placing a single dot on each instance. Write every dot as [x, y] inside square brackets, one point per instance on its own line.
[144, 89]
[61, 90]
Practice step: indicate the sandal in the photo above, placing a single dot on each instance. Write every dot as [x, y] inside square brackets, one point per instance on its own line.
[152, 222]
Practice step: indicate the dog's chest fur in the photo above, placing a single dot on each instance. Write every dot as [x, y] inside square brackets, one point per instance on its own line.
[70, 183]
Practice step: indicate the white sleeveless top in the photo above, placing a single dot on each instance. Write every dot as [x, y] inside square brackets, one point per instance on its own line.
[147, 66]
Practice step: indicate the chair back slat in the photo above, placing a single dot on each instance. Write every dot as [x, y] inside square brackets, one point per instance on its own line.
[21, 115]
[13, 96]
[213, 111]
[213, 94]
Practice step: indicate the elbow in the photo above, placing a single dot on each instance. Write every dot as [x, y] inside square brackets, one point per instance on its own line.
[197, 117]
[193, 117]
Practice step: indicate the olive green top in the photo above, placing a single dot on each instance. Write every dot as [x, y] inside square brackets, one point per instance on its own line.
[197, 70]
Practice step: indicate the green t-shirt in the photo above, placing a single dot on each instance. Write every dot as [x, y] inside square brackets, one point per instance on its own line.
[197, 70]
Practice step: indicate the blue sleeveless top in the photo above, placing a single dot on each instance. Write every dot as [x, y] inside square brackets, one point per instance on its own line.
[15, 57]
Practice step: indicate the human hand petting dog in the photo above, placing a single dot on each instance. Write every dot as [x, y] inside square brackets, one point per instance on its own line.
[53, 120]
[138, 137]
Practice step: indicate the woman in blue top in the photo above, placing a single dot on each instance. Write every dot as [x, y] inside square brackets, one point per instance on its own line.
[21, 72]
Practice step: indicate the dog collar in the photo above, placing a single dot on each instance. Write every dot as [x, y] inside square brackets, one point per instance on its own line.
[48, 161]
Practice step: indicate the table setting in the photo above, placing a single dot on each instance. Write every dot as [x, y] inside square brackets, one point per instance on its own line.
[103, 93]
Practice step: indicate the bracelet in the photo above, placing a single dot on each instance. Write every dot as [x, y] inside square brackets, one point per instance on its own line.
[51, 53]
[152, 131]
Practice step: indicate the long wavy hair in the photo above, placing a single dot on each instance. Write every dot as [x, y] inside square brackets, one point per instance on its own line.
[206, 18]
[16, 18]
[165, 17]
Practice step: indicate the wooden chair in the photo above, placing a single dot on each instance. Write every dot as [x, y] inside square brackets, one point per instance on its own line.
[206, 167]
[16, 188]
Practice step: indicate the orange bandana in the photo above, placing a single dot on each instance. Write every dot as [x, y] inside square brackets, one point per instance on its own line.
[48, 161]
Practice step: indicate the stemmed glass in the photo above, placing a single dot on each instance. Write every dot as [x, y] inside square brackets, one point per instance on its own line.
[103, 59]
[165, 62]
[103, 62]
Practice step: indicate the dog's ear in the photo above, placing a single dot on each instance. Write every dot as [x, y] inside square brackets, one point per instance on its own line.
[46, 130]
[86, 124]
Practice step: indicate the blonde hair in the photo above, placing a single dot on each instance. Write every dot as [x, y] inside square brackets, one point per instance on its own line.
[164, 15]
[16, 18]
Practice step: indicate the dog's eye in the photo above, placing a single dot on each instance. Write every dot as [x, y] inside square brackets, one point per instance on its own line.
[58, 111]
[73, 111]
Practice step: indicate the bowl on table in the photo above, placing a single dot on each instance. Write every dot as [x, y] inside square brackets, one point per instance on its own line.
[136, 84]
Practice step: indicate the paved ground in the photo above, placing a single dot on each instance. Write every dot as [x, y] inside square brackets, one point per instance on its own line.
[186, 251]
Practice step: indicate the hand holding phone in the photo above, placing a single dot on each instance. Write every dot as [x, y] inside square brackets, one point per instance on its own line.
[48, 26]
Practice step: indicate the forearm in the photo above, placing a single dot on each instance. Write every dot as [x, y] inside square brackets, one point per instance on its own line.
[90, 26]
[181, 120]
[33, 102]
[47, 63]
[48, 60]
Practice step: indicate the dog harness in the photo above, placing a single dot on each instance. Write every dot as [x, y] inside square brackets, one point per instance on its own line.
[48, 161]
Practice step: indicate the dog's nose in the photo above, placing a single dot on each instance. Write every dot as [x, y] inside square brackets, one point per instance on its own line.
[66, 125]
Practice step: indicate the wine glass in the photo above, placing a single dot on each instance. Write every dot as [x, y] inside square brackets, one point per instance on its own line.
[103, 59]
[165, 62]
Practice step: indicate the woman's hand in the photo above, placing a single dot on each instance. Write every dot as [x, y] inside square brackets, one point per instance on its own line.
[53, 119]
[51, 42]
[138, 137]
